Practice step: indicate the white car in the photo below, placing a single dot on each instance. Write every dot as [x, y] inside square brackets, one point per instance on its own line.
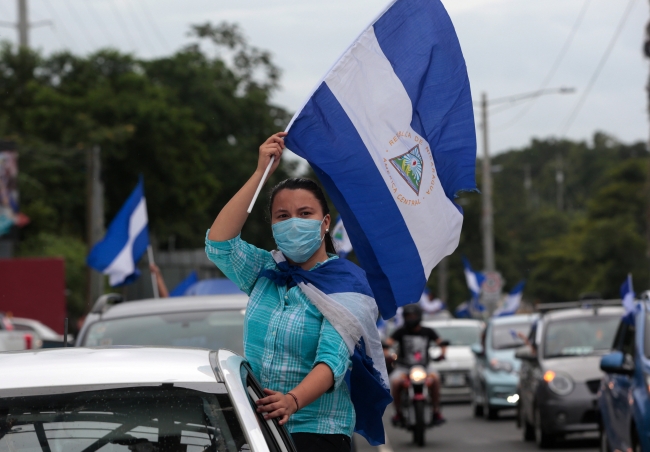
[456, 369]
[143, 399]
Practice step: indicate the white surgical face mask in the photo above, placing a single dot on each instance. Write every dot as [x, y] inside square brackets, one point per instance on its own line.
[298, 238]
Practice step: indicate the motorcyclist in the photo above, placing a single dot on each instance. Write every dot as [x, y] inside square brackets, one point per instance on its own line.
[414, 341]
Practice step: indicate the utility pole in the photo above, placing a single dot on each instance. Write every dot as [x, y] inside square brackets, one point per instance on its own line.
[487, 218]
[94, 220]
[23, 26]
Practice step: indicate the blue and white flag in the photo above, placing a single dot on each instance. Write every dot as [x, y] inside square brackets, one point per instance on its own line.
[341, 239]
[512, 301]
[339, 289]
[627, 296]
[462, 311]
[125, 242]
[185, 284]
[390, 133]
[474, 279]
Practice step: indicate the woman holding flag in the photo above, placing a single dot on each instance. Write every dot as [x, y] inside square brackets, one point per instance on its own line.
[310, 316]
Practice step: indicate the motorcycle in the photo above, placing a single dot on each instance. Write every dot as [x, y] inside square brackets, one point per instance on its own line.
[415, 402]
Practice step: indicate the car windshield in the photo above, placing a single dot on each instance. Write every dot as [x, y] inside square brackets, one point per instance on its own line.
[142, 419]
[212, 329]
[580, 336]
[459, 335]
[509, 335]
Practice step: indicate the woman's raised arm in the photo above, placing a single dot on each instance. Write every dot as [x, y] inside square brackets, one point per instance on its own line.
[232, 217]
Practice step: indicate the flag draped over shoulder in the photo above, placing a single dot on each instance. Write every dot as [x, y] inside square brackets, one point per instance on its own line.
[390, 133]
[125, 242]
[339, 289]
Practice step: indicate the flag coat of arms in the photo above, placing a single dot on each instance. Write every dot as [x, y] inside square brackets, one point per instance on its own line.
[390, 133]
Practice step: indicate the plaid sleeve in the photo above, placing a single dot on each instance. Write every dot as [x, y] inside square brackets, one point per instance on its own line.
[241, 262]
[333, 352]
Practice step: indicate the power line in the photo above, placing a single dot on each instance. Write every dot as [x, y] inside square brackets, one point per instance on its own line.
[603, 60]
[556, 63]
[140, 28]
[123, 26]
[81, 23]
[102, 25]
[57, 20]
[154, 25]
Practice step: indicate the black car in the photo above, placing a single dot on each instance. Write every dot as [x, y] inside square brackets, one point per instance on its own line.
[560, 373]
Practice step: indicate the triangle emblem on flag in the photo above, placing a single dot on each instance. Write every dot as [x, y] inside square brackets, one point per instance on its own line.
[409, 166]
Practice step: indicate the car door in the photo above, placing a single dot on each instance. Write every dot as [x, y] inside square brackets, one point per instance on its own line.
[616, 393]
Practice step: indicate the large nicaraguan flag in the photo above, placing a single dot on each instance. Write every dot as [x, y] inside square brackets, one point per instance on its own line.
[390, 133]
[125, 242]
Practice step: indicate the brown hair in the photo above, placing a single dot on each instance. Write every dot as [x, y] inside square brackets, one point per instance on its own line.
[299, 183]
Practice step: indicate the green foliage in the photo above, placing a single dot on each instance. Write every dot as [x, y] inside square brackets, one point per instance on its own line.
[190, 123]
[590, 245]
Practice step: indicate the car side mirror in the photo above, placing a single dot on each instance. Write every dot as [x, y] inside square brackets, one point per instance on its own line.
[525, 353]
[615, 363]
[477, 349]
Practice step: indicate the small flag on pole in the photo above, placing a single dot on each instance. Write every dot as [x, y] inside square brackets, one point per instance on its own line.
[390, 133]
[627, 295]
[512, 301]
[125, 242]
[341, 240]
[474, 279]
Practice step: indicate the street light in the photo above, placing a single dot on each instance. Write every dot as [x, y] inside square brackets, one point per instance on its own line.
[487, 222]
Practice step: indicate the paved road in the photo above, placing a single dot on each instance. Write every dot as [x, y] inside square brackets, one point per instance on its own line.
[465, 433]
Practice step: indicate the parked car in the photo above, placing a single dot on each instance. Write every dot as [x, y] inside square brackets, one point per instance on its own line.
[47, 337]
[496, 373]
[455, 370]
[624, 400]
[208, 321]
[141, 399]
[560, 371]
[11, 339]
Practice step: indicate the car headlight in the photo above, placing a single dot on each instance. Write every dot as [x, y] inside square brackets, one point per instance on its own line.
[497, 365]
[418, 374]
[559, 383]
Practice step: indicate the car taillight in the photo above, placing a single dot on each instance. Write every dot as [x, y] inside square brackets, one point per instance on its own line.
[28, 341]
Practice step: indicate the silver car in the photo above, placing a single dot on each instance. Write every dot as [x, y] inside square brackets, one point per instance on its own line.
[143, 399]
[208, 321]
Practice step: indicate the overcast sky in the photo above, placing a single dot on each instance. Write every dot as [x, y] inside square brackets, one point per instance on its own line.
[509, 46]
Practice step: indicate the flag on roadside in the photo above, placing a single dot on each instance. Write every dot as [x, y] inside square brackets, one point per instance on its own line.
[473, 279]
[390, 133]
[512, 301]
[627, 296]
[185, 284]
[341, 239]
[462, 311]
[126, 240]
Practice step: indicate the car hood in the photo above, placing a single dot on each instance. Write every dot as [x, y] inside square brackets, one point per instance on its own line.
[507, 355]
[580, 368]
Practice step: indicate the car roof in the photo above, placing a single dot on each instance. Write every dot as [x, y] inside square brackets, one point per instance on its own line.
[79, 366]
[451, 322]
[176, 304]
[511, 319]
[582, 312]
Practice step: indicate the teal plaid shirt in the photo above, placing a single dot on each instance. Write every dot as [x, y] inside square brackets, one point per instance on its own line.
[285, 336]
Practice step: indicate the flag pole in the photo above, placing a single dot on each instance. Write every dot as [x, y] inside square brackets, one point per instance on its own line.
[259, 187]
[154, 279]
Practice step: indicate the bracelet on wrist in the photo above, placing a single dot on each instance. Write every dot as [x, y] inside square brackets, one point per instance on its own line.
[295, 399]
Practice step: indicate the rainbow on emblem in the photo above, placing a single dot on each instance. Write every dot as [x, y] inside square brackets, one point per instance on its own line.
[409, 166]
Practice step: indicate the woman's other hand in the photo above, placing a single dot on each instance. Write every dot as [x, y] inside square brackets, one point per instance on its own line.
[277, 404]
[272, 147]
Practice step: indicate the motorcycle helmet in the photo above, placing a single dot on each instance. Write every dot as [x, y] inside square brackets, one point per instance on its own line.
[412, 314]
